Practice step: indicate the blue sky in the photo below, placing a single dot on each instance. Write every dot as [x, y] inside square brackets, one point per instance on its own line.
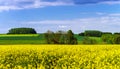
[54, 15]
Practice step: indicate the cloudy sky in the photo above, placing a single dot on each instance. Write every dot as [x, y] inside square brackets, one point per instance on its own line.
[77, 15]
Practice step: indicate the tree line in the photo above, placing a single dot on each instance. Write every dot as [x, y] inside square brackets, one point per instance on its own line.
[67, 37]
[107, 37]
[96, 33]
[22, 31]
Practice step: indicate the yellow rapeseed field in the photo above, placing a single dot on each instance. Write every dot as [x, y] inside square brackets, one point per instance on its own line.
[59, 56]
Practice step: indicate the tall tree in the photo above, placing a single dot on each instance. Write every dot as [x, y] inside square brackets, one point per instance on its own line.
[49, 35]
[71, 38]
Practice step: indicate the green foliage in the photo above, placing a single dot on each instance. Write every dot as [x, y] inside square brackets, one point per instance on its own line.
[81, 34]
[107, 38]
[88, 40]
[97, 39]
[116, 39]
[117, 33]
[111, 39]
[93, 33]
[71, 38]
[60, 37]
[49, 35]
[63, 39]
[106, 33]
[22, 39]
[55, 38]
[22, 31]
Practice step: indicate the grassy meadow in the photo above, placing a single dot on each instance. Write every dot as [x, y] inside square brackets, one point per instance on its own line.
[22, 39]
[13, 39]
[59, 57]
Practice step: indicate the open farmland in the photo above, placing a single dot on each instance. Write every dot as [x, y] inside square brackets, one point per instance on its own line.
[13, 39]
[59, 57]
[22, 39]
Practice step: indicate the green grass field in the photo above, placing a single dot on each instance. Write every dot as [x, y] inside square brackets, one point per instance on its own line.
[79, 38]
[59, 57]
[22, 39]
[35, 39]
[27, 39]
[98, 39]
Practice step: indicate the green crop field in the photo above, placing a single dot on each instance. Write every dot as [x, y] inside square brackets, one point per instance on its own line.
[59, 57]
[79, 38]
[27, 39]
[98, 39]
[36, 39]
[5, 35]
[22, 39]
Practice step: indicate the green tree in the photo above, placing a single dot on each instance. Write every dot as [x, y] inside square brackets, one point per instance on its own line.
[87, 40]
[60, 37]
[117, 33]
[22, 31]
[71, 38]
[116, 39]
[93, 33]
[63, 39]
[81, 34]
[106, 33]
[49, 35]
[107, 38]
[53, 38]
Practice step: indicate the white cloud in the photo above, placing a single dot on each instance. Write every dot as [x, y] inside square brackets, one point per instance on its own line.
[62, 26]
[49, 22]
[114, 14]
[109, 22]
[7, 8]
[100, 13]
[6, 5]
[110, 2]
